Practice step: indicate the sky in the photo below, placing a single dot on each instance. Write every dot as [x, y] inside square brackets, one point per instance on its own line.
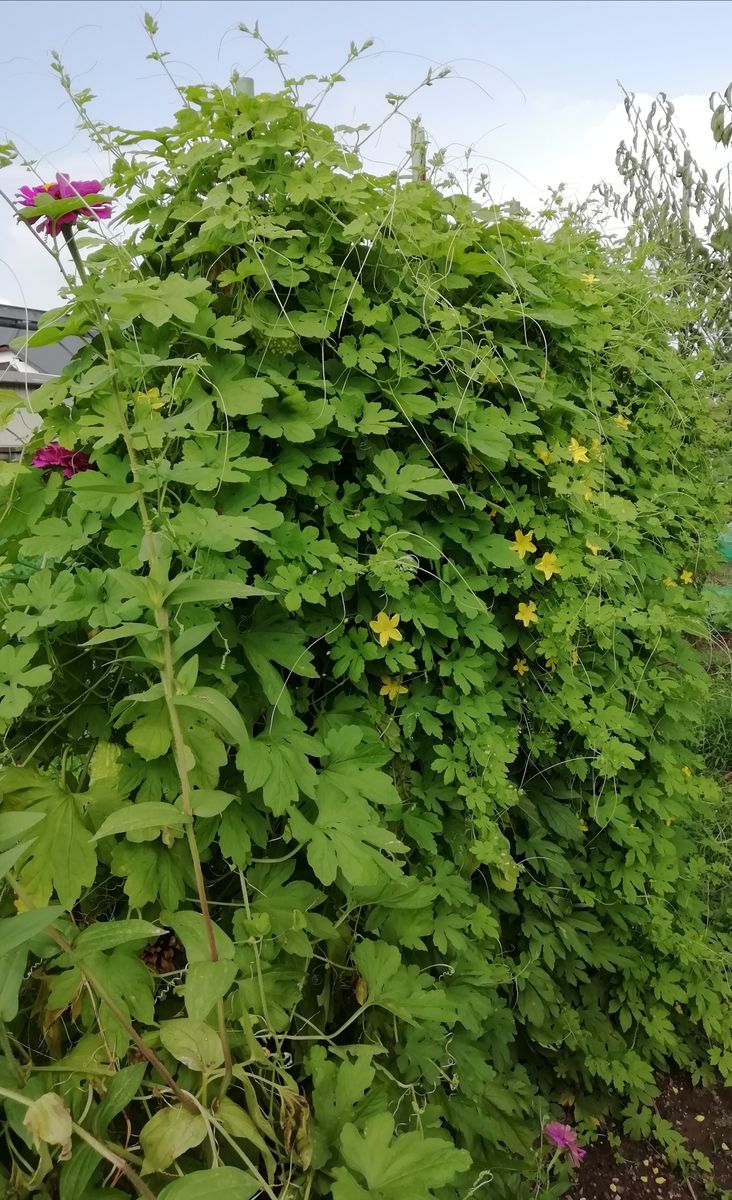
[533, 94]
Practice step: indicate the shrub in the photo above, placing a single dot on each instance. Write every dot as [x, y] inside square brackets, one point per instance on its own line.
[350, 707]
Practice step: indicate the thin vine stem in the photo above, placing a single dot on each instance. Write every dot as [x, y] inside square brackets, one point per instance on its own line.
[167, 670]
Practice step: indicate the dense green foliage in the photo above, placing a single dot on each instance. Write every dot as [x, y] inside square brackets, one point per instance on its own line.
[367, 633]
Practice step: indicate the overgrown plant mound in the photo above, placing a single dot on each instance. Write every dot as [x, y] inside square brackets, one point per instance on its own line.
[347, 696]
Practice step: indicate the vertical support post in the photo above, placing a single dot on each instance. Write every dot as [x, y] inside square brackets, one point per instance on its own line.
[419, 151]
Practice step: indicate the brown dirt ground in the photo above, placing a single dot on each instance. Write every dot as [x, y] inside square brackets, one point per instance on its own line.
[638, 1170]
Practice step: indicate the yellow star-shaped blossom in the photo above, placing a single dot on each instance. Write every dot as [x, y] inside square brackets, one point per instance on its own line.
[527, 613]
[592, 547]
[523, 543]
[578, 451]
[386, 628]
[589, 278]
[588, 494]
[622, 421]
[548, 564]
[686, 771]
[391, 688]
[574, 656]
[520, 666]
[669, 582]
[153, 399]
[686, 577]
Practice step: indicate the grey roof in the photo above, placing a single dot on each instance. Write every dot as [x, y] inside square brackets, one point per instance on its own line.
[24, 369]
[43, 362]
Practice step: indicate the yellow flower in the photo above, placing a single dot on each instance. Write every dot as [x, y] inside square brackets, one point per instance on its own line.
[587, 494]
[520, 666]
[686, 771]
[589, 278]
[527, 613]
[152, 395]
[544, 454]
[584, 826]
[574, 657]
[386, 628]
[669, 582]
[670, 820]
[392, 688]
[548, 564]
[523, 543]
[578, 452]
[686, 577]
[622, 421]
[592, 547]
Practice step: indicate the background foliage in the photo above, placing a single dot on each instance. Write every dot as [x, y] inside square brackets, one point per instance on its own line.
[349, 701]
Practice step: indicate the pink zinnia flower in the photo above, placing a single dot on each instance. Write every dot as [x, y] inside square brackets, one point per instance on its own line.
[565, 1138]
[56, 455]
[64, 188]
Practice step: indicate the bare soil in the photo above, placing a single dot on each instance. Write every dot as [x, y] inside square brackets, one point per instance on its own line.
[638, 1170]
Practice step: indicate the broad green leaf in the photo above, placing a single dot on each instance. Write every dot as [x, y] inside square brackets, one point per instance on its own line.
[190, 927]
[404, 991]
[12, 972]
[239, 1124]
[193, 1043]
[14, 825]
[219, 710]
[77, 1173]
[130, 630]
[217, 1183]
[121, 1089]
[207, 983]
[135, 817]
[410, 480]
[168, 1134]
[8, 858]
[190, 638]
[339, 1091]
[150, 737]
[350, 838]
[106, 935]
[407, 1167]
[62, 856]
[185, 590]
[207, 802]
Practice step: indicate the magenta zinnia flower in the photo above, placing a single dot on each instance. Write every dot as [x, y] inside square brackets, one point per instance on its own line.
[565, 1138]
[64, 188]
[56, 455]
